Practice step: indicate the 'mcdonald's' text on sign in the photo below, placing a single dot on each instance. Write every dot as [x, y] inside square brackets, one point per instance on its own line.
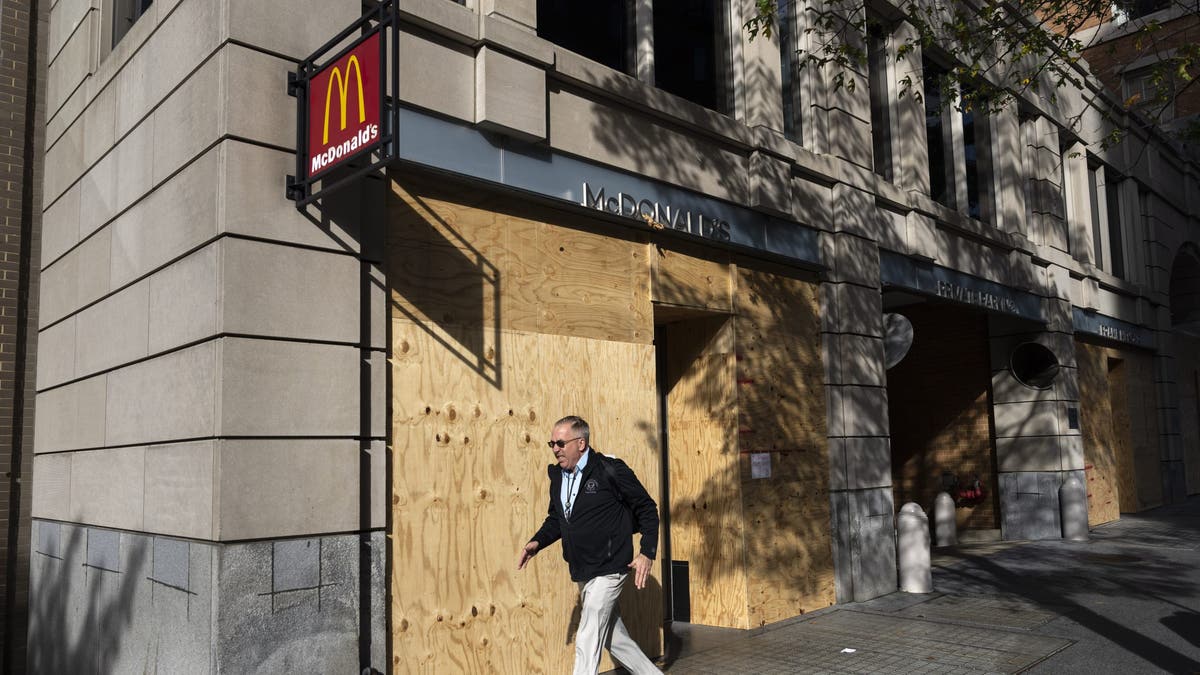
[343, 107]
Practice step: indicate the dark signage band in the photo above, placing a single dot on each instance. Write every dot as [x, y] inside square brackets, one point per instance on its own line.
[1100, 325]
[918, 275]
[457, 148]
[343, 116]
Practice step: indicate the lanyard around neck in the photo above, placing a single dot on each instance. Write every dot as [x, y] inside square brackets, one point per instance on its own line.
[570, 493]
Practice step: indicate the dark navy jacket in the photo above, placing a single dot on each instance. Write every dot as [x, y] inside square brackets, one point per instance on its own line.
[598, 539]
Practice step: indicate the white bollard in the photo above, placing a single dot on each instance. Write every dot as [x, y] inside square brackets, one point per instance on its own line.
[1072, 504]
[912, 539]
[945, 529]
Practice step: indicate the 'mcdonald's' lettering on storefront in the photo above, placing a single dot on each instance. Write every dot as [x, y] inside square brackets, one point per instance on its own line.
[343, 107]
[656, 214]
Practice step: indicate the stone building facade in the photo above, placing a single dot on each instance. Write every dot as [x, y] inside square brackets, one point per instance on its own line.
[272, 438]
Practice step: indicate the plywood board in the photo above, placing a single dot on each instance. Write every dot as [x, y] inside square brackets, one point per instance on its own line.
[706, 503]
[1143, 429]
[472, 403]
[458, 258]
[683, 280]
[781, 410]
[1099, 445]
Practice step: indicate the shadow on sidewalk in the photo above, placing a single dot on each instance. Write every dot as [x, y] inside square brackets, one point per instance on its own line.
[1064, 574]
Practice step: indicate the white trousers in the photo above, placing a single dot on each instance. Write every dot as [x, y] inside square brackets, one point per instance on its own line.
[600, 626]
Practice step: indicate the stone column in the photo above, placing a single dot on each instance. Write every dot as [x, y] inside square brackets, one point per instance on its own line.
[761, 80]
[1038, 441]
[911, 158]
[839, 117]
[856, 391]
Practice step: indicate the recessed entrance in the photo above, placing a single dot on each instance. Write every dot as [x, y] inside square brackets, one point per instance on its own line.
[939, 402]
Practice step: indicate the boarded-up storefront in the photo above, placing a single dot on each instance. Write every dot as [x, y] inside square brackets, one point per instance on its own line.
[1119, 425]
[506, 316]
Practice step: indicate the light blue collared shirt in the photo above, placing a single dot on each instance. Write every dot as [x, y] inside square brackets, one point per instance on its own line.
[570, 482]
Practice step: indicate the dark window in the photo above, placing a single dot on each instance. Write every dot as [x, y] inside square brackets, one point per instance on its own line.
[940, 190]
[1097, 235]
[1112, 196]
[1060, 205]
[125, 14]
[971, 157]
[877, 63]
[691, 51]
[790, 69]
[598, 29]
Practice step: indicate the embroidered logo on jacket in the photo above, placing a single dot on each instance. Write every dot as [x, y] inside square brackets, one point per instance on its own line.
[591, 486]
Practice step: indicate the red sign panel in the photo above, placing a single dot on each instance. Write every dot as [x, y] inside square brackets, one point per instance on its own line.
[343, 107]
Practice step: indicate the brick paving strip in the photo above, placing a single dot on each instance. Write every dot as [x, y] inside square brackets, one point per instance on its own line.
[882, 643]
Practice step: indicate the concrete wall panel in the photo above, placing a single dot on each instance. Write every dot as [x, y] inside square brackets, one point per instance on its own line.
[52, 486]
[164, 398]
[288, 487]
[181, 497]
[71, 65]
[71, 416]
[107, 487]
[60, 226]
[183, 301]
[177, 217]
[298, 293]
[99, 122]
[113, 331]
[258, 108]
[288, 389]
[452, 92]
[510, 95]
[68, 16]
[56, 354]
[286, 26]
[187, 122]
[249, 172]
[183, 39]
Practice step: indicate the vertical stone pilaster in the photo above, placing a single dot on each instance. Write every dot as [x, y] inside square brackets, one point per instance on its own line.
[1038, 440]
[761, 83]
[523, 12]
[911, 147]
[856, 392]
[1000, 167]
[643, 22]
[1078, 202]
[840, 116]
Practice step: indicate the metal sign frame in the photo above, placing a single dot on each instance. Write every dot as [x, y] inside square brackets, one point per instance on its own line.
[381, 19]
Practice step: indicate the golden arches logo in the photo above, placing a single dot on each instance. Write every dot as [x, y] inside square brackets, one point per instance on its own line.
[343, 84]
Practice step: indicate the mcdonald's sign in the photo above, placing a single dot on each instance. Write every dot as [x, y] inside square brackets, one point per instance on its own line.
[343, 107]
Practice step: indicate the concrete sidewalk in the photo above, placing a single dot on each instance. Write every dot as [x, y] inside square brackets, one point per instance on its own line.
[1127, 601]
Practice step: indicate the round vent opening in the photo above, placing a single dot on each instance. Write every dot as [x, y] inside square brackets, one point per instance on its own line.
[1034, 365]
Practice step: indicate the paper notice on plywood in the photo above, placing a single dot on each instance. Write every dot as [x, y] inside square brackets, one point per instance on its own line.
[760, 465]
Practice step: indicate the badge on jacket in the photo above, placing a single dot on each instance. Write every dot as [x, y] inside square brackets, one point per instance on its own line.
[591, 486]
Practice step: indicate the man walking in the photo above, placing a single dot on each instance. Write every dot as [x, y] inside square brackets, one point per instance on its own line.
[594, 503]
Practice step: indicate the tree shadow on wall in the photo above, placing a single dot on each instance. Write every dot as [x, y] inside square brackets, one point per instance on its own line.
[443, 283]
[65, 637]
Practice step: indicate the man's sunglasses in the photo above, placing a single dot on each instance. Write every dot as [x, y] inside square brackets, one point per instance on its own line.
[562, 444]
